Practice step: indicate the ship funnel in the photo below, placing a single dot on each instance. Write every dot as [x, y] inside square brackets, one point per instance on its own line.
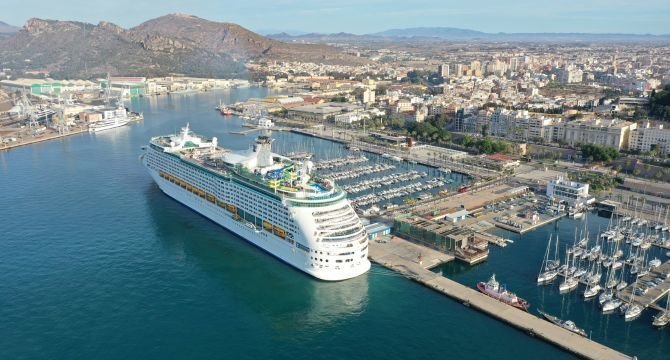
[263, 150]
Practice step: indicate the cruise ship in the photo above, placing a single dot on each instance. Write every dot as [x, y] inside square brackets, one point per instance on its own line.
[111, 118]
[276, 203]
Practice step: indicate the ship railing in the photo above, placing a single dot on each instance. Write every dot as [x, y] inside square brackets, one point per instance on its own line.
[342, 227]
[344, 237]
[335, 221]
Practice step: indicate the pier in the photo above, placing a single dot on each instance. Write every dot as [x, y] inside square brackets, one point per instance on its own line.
[652, 295]
[245, 132]
[414, 261]
[525, 227]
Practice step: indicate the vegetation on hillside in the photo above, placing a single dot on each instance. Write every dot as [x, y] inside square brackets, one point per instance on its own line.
[659, 103]
[592, 152]
[486, 145]
[597, 181]
[429, 131]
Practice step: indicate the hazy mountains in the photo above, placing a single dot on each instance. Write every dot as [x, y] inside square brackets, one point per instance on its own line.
[6, 29]
[457, 34]
[430, 32]
[175, 43]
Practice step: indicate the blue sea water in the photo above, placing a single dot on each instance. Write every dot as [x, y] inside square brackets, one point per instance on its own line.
[96, 263]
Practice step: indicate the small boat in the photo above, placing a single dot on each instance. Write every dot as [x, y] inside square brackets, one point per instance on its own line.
[663, 317]
[655, 263]
[546, 277]
[605, 297]
[591, 291]
[547, 272]
[493, 289]
[568, 285]
[612, 305]
[632, 312]
[565, 324]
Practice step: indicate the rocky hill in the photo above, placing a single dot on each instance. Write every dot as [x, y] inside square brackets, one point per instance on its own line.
[170, 44]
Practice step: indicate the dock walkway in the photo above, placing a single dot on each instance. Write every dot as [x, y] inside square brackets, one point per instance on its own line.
[407, 264]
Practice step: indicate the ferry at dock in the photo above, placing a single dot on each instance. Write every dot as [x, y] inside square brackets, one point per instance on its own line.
[278, 204]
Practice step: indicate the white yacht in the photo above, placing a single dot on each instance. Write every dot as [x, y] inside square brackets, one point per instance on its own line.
[111, 118]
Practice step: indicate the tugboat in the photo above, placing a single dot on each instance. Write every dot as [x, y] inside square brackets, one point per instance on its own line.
[493, 289]
[565, 324]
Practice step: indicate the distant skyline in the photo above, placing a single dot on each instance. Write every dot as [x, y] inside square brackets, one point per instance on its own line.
[368, 16]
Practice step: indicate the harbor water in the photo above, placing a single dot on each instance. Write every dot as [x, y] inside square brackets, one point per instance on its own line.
[517, 266]
[95, 262]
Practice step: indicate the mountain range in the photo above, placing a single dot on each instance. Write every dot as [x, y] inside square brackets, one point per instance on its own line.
[6, 29]
[456, 34]
[176, 43]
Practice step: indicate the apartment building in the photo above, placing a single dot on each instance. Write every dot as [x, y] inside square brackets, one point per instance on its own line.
[647, 138]
[606, 132]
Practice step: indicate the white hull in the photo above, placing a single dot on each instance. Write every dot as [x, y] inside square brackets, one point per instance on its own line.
[265, 240]
[99, 128]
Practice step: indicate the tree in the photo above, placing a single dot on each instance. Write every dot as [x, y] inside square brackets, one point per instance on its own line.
[599, 153]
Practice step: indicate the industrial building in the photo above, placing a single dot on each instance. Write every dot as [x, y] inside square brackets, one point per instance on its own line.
[461, 242]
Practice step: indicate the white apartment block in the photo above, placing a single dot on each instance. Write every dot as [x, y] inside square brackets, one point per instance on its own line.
[443, 70]
[644, 138]
[608, 132]
[403, 105]
[522, 126]
[350, 117]
[368, 96]
[570, 75]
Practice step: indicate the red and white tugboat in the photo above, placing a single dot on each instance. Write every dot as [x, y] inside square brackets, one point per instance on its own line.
[493, 289]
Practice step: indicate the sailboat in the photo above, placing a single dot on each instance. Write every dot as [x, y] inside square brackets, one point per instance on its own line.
[608, 293]
[663, 317]
[622, 281]
[547, 274]
[612, 305]
[591, 291]
[632, 311]
[569, 283]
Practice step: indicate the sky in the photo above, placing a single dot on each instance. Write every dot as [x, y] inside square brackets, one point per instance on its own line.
[367, 16]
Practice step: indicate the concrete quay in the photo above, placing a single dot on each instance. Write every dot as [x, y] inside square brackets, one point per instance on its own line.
[401, 256]
[38, 139]
[526, 228]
